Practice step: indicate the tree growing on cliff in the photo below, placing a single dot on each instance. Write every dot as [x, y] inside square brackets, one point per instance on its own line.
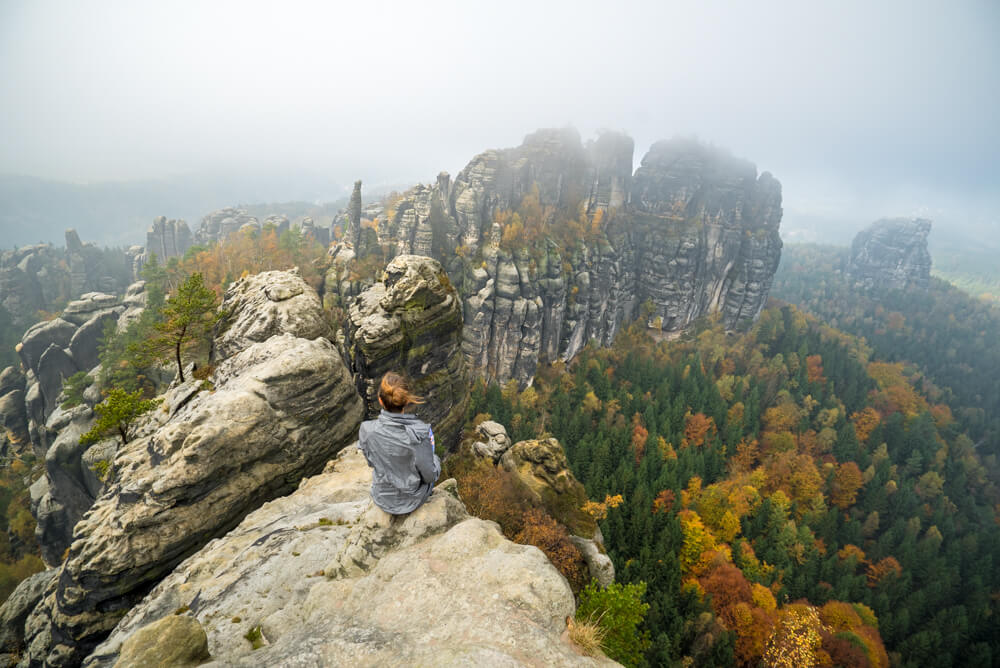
[117, 414]
[186, 321]
[620, 611]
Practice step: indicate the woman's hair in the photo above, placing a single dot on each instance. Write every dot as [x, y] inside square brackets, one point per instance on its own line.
[394, 391]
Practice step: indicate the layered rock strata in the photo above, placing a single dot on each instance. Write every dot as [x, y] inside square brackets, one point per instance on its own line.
[279, 403]
[323, 577]
[891, 254]
[411, 322]
[693, 232]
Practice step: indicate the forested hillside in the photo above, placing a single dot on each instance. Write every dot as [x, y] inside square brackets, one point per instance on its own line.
[790, 495]
[947, 338]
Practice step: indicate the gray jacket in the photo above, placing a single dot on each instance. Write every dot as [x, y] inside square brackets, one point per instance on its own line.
[400, 450]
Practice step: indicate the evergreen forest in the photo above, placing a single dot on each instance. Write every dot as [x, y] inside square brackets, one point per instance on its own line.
[791, 496]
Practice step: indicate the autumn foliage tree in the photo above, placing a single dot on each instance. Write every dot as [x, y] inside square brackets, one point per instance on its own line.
[845, 485]
[697, 428]
[494, 494]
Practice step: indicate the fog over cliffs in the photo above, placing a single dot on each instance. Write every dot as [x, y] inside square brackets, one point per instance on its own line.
[209, 106]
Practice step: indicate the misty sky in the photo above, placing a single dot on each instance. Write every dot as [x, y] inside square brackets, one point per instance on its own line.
[859, 108]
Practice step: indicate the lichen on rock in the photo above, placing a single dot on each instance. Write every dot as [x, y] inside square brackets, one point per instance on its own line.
[435, 587]
[411, 322]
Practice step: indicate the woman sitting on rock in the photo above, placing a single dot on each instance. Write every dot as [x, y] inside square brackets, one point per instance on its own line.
[400, 450]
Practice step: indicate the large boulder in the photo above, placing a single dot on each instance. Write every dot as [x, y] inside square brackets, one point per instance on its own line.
[257, 307]
[39, 337]
[176, 641]
[493, 442]
[323, 577]
[134, 301]
[88, 306]
[86, 340]
[411, 322]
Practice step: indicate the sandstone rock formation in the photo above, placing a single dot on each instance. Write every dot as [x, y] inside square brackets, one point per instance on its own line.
[41, 277]
[177, 641]
[278, 404]
[218, 225]
[693, 232]
[412, 322]
[64, 494]
[168, 238]
[14, 435]
[326, 578]
[258, 307]
[542, 468]
[16, 608]
[891, 254]
[495, 440]
[542, 471]
[53, 350]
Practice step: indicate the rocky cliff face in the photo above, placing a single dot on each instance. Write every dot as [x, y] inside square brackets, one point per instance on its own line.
[693, 232]
[53, 350]
[329, 579]
[279, 403]
[891, 254]
[43, 277]
[273, 411]
[218, 225]
[411, 321]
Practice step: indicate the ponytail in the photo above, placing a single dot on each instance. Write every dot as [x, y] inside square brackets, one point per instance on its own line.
[394, 391]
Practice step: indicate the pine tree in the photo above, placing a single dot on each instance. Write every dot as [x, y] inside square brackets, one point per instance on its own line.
[117, 414]
[186, 320]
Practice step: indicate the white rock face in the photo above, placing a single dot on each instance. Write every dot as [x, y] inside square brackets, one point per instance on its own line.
[265, 304]
[495, 440]
[331, 580]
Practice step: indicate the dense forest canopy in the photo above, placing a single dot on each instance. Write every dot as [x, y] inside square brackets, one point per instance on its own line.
[948, 338]
[787, 490]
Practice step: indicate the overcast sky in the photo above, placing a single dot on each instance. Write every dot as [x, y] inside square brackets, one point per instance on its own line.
[886, 106]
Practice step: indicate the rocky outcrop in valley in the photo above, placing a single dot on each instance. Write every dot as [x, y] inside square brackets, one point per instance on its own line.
[43, 278]
[542, 471]
[891, 254]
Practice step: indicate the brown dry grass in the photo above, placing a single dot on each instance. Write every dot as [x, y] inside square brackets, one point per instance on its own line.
[587, 635]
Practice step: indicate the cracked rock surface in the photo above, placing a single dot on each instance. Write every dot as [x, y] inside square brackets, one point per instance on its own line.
[329, 579]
